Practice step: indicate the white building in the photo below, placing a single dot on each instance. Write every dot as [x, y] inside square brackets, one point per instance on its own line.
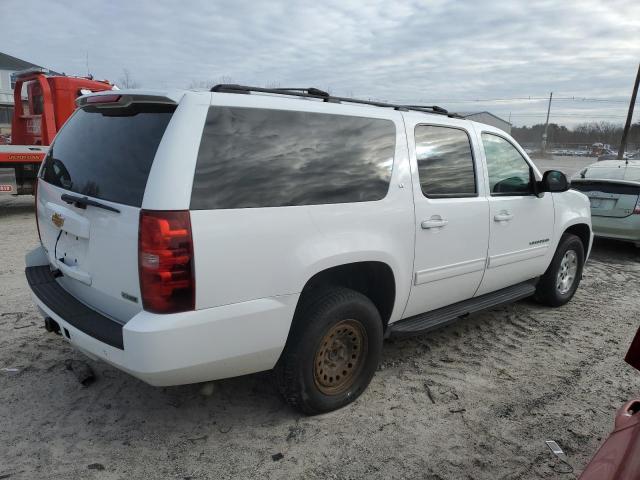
[489, 119]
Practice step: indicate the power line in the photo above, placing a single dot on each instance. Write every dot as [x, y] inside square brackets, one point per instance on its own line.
[512, 99]
[555, 114]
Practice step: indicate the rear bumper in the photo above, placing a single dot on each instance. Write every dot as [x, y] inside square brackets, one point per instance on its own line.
[626, 228]
[173, 349]
[45, 288]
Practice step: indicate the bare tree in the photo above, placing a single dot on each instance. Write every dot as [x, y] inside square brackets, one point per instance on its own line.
[127, 81]
[207, 84]
[201, 84]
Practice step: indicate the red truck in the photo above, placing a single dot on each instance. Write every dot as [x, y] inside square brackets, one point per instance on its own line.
[50, 101]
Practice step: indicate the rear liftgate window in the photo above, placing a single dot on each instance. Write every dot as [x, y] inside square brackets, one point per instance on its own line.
[107, 153]
[273, 158]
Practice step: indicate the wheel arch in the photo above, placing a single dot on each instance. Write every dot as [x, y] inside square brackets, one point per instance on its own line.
[374, 279]
[583, 232]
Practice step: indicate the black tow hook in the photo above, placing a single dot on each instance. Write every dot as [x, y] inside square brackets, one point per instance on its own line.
[51, 325]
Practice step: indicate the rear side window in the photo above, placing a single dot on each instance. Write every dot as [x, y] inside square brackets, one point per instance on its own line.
[272, 158]
[107, 153]
[445, 162]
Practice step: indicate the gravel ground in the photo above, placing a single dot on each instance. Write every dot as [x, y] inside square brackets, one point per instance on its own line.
[475, 400]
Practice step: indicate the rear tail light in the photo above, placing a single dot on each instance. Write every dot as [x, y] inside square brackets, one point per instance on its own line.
[35, 194]
[165, 261]
[637, 209]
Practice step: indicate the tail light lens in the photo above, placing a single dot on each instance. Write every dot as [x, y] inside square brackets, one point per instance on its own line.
[637, 209]
[35, 194]
[165, 261]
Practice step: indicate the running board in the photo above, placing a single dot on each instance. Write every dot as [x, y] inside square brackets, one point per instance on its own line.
[445, 315]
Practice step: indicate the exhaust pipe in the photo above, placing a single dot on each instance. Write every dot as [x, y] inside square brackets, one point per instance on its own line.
[51, 325]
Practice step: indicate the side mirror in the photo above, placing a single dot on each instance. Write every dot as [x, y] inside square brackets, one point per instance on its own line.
[553, 181]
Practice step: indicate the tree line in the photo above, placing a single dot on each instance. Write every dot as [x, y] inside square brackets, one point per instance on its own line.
[584, 133]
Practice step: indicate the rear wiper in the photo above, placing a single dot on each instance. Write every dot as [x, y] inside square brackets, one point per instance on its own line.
[82, 202]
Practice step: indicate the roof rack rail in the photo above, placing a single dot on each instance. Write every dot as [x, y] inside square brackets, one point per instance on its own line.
[326, 97]
[435, 108]
[316, 92]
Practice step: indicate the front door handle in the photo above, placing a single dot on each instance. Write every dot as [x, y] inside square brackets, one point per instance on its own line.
[434, 222]
[503, 216]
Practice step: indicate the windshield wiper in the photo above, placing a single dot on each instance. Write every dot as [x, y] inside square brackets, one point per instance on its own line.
[82, 202]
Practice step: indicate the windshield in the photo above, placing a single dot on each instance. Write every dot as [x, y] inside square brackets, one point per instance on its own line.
[107, 153]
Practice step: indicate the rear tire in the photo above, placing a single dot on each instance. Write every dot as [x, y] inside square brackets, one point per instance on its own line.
[560, 282]
[332, 352]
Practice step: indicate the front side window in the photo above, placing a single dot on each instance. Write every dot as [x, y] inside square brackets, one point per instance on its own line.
[252, 157]
[445, 162]
[509, 172]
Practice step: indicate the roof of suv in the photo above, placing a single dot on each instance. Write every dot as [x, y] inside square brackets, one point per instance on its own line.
[296, 95]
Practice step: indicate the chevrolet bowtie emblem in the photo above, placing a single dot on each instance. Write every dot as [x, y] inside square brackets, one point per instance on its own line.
[57, 219]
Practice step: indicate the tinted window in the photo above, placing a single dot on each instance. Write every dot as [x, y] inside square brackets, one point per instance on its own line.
[38, 104]
[509, 173]
[107, 153]
[271, 158]
[6, 114]
[445, 162]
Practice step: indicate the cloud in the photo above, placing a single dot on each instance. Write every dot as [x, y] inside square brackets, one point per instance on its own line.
[401, 51]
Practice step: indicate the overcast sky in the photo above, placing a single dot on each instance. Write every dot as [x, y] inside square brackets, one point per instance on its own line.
[447, 52]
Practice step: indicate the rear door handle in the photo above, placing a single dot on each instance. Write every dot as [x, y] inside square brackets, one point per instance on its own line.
[503, 217]
[434, 222]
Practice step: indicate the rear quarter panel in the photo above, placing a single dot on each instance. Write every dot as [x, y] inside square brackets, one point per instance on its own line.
[171, 176]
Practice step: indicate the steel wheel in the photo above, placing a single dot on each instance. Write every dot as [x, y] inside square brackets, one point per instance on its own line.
[567, 272]
[340, 357]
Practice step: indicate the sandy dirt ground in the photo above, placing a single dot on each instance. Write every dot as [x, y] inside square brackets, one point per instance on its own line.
[475, 400]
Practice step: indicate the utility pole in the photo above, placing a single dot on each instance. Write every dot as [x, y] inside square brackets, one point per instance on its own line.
[546, 126]
[627, 126]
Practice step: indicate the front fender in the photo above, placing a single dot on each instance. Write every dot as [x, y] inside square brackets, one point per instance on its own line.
[571, 208]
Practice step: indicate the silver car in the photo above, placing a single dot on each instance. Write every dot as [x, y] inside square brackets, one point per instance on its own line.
[613, 188]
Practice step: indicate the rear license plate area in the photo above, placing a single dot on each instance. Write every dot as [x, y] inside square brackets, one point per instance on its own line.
[71, 250]
[602, 203]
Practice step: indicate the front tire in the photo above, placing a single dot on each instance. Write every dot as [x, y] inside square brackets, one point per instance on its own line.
[332, 352]
[560, 282]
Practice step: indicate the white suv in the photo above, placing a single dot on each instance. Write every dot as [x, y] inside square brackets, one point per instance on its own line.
[194, 236]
